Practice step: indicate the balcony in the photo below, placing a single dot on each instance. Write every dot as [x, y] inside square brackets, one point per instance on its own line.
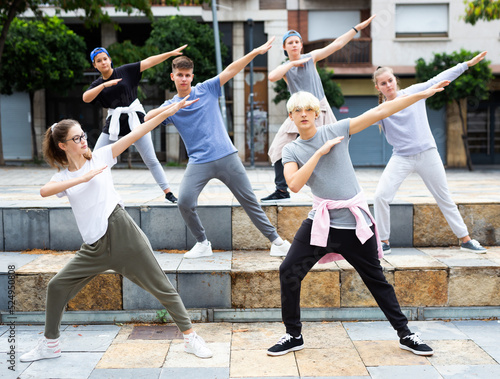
[356, 53]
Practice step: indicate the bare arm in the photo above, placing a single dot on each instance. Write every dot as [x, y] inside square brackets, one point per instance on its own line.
[157, 59]
[296, 178]
[280, 71]
[238, 65]
[388, 108]
[122, 144]
[478, 58]
[53, 188]
[92, 93]
[339, 42]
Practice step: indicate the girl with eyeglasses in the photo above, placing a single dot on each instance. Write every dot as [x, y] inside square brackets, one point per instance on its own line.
[300, 74]
[111, 238]
[116, 90]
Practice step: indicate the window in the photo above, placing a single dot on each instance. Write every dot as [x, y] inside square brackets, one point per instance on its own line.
[331, 24]
[422, 20]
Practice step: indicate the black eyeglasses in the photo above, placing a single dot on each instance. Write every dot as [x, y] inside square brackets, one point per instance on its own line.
[78, 139]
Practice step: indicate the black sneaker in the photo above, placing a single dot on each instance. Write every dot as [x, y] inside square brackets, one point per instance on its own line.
[286, 344]
[277, 196]
[170, 198]
[414, 344]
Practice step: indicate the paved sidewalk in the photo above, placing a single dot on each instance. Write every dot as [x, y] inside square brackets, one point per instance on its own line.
[463, 349]
[20, 187]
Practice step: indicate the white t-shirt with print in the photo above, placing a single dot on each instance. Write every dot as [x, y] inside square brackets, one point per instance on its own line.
[94, 201]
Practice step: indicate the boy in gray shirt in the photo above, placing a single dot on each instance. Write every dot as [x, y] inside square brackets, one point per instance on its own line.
[340, 225]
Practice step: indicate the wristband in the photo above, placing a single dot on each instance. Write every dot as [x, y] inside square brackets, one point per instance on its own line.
[356, 30]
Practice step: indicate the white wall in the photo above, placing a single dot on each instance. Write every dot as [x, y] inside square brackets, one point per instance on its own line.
[387, 50]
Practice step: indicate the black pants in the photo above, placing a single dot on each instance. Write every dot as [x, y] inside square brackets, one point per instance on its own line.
[302, 256]
[279, 176]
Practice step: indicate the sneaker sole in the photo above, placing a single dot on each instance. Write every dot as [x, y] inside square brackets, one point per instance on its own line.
[199, 356]
[387, 251]
[416, 352]
[274, 201]
[277, 255]
[39, 359]
[473, 251]
[278, 353]
[199, 256]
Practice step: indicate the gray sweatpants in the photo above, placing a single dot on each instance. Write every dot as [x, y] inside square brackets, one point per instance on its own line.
[429, 166]
[230, 171]
[125, 249]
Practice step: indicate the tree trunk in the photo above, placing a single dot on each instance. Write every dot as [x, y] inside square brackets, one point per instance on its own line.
[464, 136]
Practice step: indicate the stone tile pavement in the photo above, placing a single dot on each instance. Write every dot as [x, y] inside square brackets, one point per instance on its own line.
[19, 186]
[463, 349]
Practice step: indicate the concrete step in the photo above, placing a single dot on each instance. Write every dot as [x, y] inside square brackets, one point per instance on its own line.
[229, 228]
[244, 285]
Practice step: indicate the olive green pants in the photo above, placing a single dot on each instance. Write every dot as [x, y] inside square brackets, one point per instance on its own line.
[125, 249]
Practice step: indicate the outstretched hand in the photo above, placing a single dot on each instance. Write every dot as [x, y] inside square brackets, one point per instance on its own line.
[438, 87]
[325, 149]
[478, 58]
[178, 51]
[365, 23]
[111, 83]
[179, 105]
[265, 47]
[89, 175]
[300, 62]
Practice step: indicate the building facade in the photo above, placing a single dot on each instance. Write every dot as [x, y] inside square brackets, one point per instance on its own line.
[402, 32]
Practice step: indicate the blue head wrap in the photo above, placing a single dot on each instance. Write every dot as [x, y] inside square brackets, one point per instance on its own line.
[99, 50]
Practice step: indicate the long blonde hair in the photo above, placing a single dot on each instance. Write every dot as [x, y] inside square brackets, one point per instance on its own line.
[53, 154]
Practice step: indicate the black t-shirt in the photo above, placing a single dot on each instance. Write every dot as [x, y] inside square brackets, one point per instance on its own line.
[120, 95]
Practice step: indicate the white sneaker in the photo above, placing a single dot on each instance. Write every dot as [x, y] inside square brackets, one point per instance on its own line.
[196, 345]
[199, 250]
[280, 250]
[42, 351]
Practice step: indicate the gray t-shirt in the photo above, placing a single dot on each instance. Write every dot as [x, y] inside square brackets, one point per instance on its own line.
[334, 177]
[305, 78]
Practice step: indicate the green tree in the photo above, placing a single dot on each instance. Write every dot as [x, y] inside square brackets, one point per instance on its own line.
[332, 90]
[41, 55]
[471, 85]
[170, 33]
[481, 10]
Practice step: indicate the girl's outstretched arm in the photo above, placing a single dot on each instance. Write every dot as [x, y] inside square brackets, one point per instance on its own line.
[53, 188]
[157, 59]
[388, 108]
[122, 144]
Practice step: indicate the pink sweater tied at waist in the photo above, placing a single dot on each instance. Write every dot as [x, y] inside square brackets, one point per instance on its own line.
[321, 223]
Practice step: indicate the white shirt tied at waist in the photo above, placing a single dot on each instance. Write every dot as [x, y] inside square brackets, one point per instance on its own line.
[133, 119]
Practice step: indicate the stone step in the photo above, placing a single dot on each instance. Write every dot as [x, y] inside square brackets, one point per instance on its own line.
[229, 228]
[239, 282]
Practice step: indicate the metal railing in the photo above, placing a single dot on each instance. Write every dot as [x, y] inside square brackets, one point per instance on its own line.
[356, 52]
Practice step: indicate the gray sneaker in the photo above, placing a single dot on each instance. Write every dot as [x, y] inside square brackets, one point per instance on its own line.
[473, 246]
[386, 248]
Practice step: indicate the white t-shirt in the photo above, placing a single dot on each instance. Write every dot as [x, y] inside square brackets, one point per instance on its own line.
[94, 201]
